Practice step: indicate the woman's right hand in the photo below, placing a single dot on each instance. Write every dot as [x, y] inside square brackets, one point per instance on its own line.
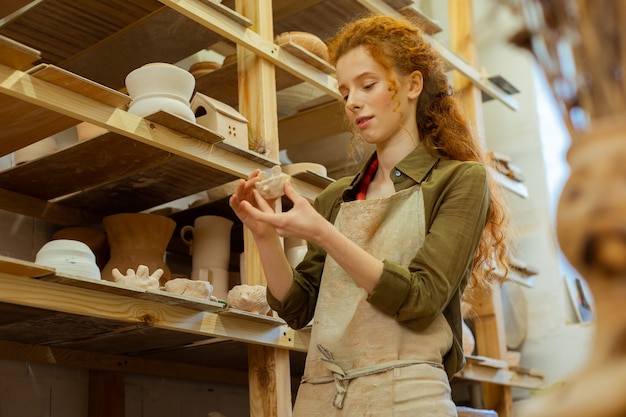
[244, 204]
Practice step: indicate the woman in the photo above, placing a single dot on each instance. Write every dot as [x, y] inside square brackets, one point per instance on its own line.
[392, 248]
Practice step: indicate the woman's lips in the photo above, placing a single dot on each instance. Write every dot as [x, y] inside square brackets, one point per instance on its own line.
[362, 122]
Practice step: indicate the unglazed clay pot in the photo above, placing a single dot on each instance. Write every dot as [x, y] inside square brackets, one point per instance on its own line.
[138, 239]
[94, 238]
[308, 41]
[161, 86]
[209, 243]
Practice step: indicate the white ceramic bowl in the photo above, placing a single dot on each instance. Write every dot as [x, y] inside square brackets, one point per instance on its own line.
[69, 257]
[161, 86]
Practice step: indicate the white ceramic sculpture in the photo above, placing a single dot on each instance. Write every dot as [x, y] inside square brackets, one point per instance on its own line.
[273, 186]
[69, 257]
[161, 87]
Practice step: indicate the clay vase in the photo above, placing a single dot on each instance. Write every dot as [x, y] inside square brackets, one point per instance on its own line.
[161, 86]
[138, 239]
[95, 239]
[209, 243]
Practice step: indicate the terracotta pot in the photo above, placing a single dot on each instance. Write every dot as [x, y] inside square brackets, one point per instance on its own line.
[95, 239]
[308, 41]
[160, 86]
[138, 239]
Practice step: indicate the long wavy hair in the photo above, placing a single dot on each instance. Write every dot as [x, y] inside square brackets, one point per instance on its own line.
[443, 128]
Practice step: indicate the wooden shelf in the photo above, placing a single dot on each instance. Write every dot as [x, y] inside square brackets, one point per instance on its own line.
[483, 369]
[91, 315]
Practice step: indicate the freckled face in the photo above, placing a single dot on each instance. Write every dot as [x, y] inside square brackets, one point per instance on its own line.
[369, 103]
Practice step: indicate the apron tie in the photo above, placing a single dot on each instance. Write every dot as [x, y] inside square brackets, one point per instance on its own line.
[342, 377]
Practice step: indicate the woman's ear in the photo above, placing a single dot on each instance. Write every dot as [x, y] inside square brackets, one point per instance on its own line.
[416, 83]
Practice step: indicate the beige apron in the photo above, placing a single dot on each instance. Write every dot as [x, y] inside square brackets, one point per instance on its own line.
[361, 362]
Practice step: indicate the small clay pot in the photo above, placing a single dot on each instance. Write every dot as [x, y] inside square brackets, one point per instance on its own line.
[202, 68]
[308, 41]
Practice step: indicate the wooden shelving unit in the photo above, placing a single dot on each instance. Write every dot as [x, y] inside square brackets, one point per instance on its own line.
[141, 163]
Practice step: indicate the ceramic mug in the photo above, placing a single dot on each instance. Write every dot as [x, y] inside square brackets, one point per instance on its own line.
[209, 243]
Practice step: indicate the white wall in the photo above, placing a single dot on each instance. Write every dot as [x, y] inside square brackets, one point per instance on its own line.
[555, 343]
[534, 140]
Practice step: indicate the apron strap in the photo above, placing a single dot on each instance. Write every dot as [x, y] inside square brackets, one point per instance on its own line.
[342, 377]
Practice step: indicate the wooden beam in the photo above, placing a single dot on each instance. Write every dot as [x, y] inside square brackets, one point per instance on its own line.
[463, 44]
[269, 374]
[208, 16]
[106, 394]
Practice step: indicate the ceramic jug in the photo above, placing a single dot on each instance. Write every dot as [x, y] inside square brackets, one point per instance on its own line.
[209, 243]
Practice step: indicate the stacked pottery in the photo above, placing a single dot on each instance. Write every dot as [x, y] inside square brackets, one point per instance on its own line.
[137, 239]
[161, 87]
[69, 257]
[209, 243]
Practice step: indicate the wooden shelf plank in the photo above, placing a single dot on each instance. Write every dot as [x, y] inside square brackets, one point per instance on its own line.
[124, 314]
[81, 85]
[22, 268]
[16, 55]
[160, 296]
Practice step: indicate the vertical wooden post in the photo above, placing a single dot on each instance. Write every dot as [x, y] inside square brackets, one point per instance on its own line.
[106, 394]
[489, 325]
[269, 373]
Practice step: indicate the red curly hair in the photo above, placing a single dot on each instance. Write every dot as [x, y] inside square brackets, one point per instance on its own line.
[443, 128]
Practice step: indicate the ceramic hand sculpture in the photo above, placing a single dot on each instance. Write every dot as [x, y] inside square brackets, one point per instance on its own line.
[274, 186]
[139, 279]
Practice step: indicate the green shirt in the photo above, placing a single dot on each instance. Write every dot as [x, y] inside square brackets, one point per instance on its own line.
[456, 203]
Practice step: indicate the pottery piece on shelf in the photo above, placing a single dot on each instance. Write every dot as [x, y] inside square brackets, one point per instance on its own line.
[69, 257]
[209, 245]
[469, 342]
[190, 288]
[221, 119]
[137, 239]
[161, 87]
[299, 167]
[92, 237]
[198, 69]
[295, 255]
[142, 278]
[273, 186]
[252, 298]
[308, 41]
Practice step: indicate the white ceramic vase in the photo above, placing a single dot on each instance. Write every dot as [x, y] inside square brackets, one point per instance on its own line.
[69, 257]
[209, 243]
[161, 87]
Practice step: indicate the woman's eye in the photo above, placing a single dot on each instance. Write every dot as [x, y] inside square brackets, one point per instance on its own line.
[368, 86]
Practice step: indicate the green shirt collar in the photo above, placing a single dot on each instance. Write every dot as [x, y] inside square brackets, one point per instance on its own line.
[417, 165]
